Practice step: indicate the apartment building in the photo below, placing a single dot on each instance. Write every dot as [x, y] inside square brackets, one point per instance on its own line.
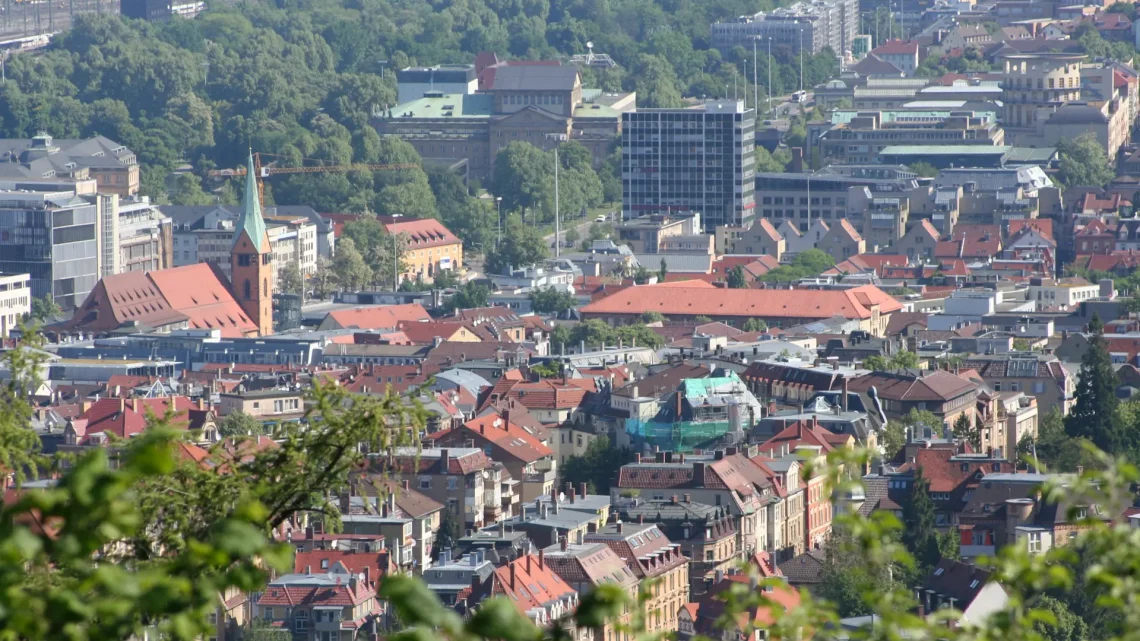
[431, 248]
[945, 395]
[453, 477]
[651, 556]
[690, 160]
[801, 198]
[54, 238]
[811, 25]
[112, 166]
[587, 566]
[333, 606]
[264, 404]
[15, 301]
[1036, 85]
[1043, 376]
[527, 458]
[144, 238]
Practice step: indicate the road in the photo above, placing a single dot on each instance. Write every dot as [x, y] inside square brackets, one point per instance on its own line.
[582, 225]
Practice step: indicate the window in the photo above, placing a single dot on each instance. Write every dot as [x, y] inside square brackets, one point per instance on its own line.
[1034, 541]
[243, 260]
[974, 584]
[452, 483]
[425, 484]
[939, 571]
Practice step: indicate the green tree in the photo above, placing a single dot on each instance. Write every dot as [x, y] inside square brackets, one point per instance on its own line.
[846, 580]
[549, 300]
[641, 276]
[652, 317]
[663, 271]
[597, 467]
[755, 325]
[923, 169]
[44, 308]
[1064, 626]
[470, 296]
[920, 535]
[349, 270]
[1094, 416]
[806, 264]
[187, 190]
[323, 281]
[289, 279]
[240, 424]
[736, 278]
[965, 430]
[1084, 162]
[450, 531]
[522, 246]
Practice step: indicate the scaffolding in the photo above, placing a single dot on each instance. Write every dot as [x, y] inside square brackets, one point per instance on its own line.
[680, 436]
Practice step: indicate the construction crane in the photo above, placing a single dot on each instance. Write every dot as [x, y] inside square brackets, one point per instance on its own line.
[265, 171]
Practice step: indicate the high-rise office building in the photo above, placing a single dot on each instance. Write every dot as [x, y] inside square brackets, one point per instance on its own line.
[690, 160]
[53, 237]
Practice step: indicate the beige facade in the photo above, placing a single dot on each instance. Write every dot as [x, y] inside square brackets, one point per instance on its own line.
[651, 234]
[264, 404]
[884, 222]
[1034, 85]
[15, 301]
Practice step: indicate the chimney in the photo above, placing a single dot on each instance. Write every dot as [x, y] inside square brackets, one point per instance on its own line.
[554, 498]
[673, 499]
[688, 498]
[512, 571]
[542, 559]
[308, 569]
[502, 529]
[843, 400]
[367, 576]
[407, 485]
[564, 542]
[444, 460]
[619, 527]
[582, 489]
[641, 518]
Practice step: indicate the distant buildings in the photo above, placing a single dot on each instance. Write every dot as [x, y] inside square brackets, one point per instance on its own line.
[812, 25]
[690, 160]
[465, 127]
[114, 168]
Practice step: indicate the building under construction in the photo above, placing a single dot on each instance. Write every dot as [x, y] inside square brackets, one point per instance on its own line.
[24, 19]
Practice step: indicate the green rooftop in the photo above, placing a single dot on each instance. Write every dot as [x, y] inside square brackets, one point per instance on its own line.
[450, 105]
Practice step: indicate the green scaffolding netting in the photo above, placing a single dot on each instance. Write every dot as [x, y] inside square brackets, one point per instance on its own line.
[682, 436]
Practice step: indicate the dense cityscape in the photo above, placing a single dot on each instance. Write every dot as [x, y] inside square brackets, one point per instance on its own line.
[592, 320]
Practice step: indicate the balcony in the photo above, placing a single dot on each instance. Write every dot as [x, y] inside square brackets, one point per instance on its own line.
[540, 477]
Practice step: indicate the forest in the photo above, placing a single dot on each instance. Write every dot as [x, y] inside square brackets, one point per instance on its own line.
[298, 81]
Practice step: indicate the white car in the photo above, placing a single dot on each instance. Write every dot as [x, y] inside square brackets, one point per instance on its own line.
[600, 219]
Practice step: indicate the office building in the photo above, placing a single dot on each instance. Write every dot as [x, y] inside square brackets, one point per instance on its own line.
[205, 234]
[800, 198]
[862, 138]
[414, 83]
[15, 301]
[690, 160]
[812, 25]
[54, 238]
[113, 167]
[543, 104]
[133, 235]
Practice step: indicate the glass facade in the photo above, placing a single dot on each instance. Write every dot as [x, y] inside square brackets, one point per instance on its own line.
[699, 160]
[58, 247]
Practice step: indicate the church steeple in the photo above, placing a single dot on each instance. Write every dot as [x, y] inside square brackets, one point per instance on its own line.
[251, 220]
[251, 258]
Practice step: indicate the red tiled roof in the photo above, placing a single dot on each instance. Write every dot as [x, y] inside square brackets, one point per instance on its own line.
[377, 563]
[944, 474]
[426, 232]
[379, 317]
[1043, 226]
[795, 436]
[422, 333]
[535, 583]
[196, 290]
[896, 47]
[125, 418]
[316, 595]
[512, 438]
[930, 386]
[685, 299]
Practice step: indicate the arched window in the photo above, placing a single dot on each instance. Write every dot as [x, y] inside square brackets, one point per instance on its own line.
[245, 289]
[265, 288]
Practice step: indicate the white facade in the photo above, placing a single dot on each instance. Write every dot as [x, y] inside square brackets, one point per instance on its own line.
[15, 301]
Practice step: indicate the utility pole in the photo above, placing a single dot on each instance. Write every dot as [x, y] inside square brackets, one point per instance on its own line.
[769, 75]
[395, 266]
[557, 224]
[801, 57]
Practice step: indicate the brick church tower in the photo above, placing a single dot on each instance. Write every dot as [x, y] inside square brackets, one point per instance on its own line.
[251, 259]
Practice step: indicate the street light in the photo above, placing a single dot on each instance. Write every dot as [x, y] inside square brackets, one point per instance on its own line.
[499, 218]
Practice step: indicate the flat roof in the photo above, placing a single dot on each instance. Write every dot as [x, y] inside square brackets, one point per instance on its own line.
[455, 105]
[946, 150]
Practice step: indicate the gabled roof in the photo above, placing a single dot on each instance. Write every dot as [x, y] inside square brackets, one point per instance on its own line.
[375, 563]
[427, 232]
[514, 439]
[945, 470]
[896, 47]
[956, 580]
[530, 583]
[914, 385]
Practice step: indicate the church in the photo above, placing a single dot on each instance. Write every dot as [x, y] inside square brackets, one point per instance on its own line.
[198, 296]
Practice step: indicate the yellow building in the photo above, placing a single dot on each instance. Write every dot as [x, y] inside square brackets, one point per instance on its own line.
[657, 562]
[431, 248]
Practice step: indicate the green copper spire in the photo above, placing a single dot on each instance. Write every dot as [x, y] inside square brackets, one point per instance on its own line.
[251, 220]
